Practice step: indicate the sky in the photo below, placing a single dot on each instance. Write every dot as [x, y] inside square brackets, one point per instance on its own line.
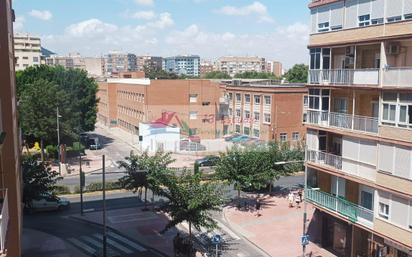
[274, 29]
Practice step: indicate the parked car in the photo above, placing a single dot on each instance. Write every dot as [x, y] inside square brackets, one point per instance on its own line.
[94, 143]
[50, 202]
[230, 137]
[208, 161]
[84, 138]
[240, 139]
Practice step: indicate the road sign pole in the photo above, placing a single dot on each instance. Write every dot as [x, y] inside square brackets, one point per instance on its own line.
[104, 209]
[81, 183]
[217, 250]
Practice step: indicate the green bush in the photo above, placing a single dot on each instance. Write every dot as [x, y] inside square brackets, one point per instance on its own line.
[98, 186]
[62, 190]
[52, 151]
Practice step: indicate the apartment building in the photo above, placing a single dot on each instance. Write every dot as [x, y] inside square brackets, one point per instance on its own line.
[93, 66]
[115, 62]
[206, 67]
[152, 62]
[359, 122]
[275, 68]
[10, 169]
[27, 51]
[265, 110]
[192, 105]
[238, 64]
[183, 65]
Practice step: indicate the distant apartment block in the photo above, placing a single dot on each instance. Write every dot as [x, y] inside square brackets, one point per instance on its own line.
[11, 218]
[183, 65]
[206, 67]
[265, 110]
[192, 105]
[359, 127]
[239, 64]
[152, 62]
[93, 66]
[116, 62]
[275, 68]
[27, 51]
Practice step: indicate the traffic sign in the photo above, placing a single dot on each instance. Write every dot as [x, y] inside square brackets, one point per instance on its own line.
[305, 239]
[216, 239]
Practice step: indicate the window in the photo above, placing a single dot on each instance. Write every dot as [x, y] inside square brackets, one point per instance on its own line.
[247, 115]
[266, 117]
[35, 59]
[247, 98]
[315, 58]
[283, 137]
[256, 132]
[367, 200]
[267, 99]
[364, 20]
[193, 115]
[377, 21]
[323, 27]
[256, 116]
[337, 27]
[246, 131]
[193, 98]
[306, 101]
[389, 111]
[230, 96]
[394, 19]
[25, 58]
[384, 210]
[230, 111]
[237, 128]
[295, 136]
[257, 99]
[238, 98]
[408, 16]
[237, 112]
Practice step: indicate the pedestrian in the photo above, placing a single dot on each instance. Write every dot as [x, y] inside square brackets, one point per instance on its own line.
[291, 199]
[258, 205]
[297, 200]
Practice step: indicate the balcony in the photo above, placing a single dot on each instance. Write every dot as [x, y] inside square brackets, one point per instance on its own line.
[343, 121]
[397, 77]
[4, 221]
[322, 158]
[344, 77]
[353, 212]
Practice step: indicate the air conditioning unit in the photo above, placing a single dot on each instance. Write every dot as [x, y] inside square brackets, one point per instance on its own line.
[350, 50]
[394, 49]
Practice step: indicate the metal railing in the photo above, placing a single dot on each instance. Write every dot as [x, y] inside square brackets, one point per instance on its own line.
[344, 77]
[343, 120]
[323, 158]
[353, 212]
[4, 221]
[400, 76]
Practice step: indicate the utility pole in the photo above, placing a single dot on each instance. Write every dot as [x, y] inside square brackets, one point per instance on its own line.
[104, 209]
[305, 204]
[58, 140]
[81, 183]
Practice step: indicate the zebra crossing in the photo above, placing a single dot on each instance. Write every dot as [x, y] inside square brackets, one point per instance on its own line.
[93, 243]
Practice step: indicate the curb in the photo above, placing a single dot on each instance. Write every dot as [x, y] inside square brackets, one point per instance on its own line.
[241, 235]
[118, 232]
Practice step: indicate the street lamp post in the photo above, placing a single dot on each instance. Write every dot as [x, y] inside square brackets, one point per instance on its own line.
[104, 208]
[58, 139]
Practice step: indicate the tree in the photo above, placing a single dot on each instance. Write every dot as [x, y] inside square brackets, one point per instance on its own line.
[297, 74]
[217, 75]
[255, 75]
[38, 179]
[156, 73]
[190, 200]
[143, 171]
[37, 111]
[75, 97]
[245, 168]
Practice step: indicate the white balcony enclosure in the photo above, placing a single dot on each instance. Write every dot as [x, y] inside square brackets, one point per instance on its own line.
[344, 77]
[397, 77]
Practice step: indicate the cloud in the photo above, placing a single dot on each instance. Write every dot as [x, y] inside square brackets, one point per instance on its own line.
[90, 27]
[144, 15]
[145, 2]
[165, 20]
[19, 24]
[255, 9]
[42, 15]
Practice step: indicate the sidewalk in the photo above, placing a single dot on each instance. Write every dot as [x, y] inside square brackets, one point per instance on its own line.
[277, 231]
[143, 226]
[128, 138]
[89, 164]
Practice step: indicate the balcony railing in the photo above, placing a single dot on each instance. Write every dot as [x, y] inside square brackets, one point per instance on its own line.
[323, 158]
[351, 211]
[343, 120]
[344, 77]
[397, 77]
[4, 221]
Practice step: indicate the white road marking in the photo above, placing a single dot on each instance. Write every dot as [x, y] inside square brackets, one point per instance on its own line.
[114, 244]
[92, 241]
[82, 245]
[128, 242]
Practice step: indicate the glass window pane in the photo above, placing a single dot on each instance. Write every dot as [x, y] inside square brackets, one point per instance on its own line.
[392, 112]
[402, 113]
[405, 97]
[389, 96]
[386, 111]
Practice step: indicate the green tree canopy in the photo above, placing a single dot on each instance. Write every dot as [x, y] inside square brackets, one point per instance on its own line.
[38, 179]
[69, 89]
[297, 74]
[190, 200]
[216, 75]
[255, 75]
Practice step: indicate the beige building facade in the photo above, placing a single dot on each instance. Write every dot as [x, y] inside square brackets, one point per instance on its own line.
[27, 51]
[239, 64]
